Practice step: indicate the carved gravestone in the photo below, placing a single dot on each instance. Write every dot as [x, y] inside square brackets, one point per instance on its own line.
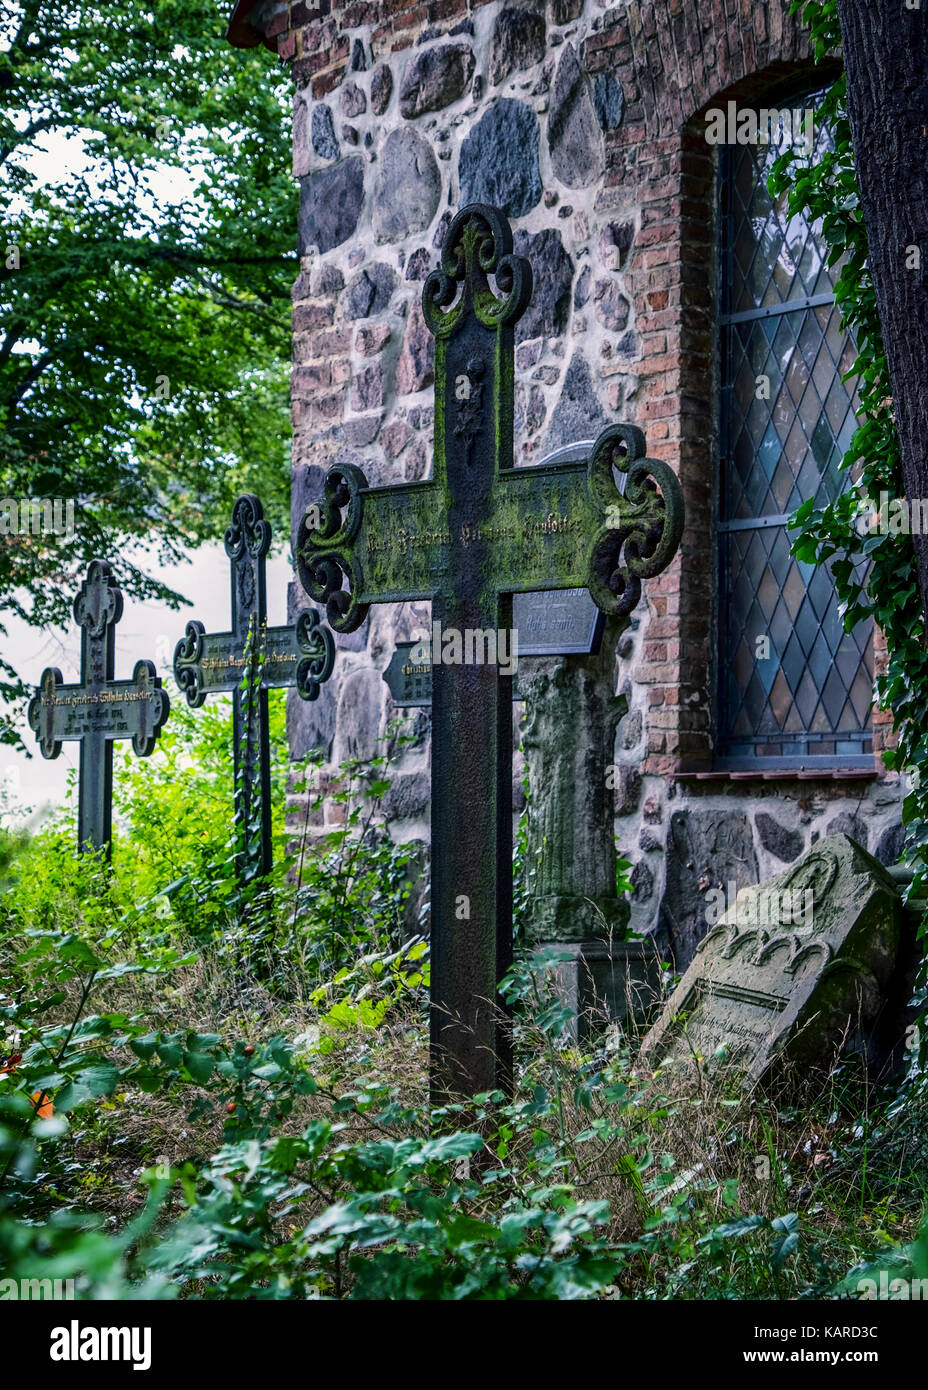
[568, 736]
[570, 856]
[796, 966]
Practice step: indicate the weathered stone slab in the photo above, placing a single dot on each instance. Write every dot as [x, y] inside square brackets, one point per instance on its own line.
[795, 967]
[603, 982]
[705, 849]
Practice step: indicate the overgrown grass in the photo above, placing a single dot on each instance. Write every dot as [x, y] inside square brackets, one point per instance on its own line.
[241, 1111]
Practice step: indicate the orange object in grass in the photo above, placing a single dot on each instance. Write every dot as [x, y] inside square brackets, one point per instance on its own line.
[43, 1106]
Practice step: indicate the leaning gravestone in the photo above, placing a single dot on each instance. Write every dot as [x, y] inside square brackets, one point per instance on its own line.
[796, 966]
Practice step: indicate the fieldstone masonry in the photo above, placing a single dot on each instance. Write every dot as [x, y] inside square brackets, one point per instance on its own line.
[583, 121]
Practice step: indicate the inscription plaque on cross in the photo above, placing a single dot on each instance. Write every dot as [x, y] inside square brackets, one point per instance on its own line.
[300, 655]
[479, 531]
[408, 676]
[99, 710]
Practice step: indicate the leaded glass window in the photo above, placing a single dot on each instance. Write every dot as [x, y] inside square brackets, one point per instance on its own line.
[801, 696]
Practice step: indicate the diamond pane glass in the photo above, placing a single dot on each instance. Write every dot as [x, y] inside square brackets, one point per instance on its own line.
[792, 683]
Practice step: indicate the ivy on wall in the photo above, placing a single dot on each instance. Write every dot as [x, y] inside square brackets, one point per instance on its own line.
[874, 569]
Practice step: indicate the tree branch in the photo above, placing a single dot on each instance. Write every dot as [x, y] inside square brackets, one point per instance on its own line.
[36, 128]
[28, 381]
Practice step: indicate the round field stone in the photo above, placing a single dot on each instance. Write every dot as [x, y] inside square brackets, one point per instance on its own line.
[381, 89]
[370, 291]
[408, 187]
[435, 78]
[330, 204]
[552, 277]
[518, 42]
[499, 160]
[323, 133]
[574, 135]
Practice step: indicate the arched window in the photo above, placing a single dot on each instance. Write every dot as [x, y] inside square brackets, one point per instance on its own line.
[793, 688]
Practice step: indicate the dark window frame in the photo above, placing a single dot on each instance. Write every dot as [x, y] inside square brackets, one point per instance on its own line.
[731, 751]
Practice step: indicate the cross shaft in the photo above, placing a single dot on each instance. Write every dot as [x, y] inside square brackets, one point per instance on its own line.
[478, 532]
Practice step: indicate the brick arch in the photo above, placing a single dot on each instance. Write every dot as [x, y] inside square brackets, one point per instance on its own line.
[675, 56]
[674, 59]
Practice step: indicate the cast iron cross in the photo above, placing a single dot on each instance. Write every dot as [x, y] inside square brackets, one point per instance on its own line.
[100, 709]
[205, 663]
[479, 531]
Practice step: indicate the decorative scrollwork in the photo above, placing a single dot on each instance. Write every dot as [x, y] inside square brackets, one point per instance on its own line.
[248, 529]
[477, 244]
[41, 713]
[98, 604]
[187, 657]
[815, 873]
[324, 566]
[804, 950]
[155, 702]
[317, 654]
[642, 526]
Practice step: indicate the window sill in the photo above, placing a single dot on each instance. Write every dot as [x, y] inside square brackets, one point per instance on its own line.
[785, 774]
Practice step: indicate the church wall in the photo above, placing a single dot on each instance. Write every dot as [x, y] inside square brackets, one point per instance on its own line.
[583, 122]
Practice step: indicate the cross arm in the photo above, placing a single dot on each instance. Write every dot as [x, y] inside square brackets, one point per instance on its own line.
[300, 655]
[561, 526]
[374, 545]
[569, 525]
[136, 708]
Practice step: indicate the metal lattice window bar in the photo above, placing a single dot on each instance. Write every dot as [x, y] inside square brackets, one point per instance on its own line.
[806, 701]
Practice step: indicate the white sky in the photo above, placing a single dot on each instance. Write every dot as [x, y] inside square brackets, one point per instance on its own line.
[146, 630]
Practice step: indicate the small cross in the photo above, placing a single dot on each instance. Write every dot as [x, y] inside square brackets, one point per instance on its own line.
[479, 531]
[301, 655]
[99, 710]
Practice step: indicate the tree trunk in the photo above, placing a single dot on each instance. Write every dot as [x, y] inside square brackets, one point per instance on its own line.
[886, 60]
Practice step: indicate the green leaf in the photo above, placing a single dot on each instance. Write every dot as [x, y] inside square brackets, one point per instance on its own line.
[199, 1065]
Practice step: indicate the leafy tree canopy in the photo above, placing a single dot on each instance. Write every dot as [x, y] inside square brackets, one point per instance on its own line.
[146, 258]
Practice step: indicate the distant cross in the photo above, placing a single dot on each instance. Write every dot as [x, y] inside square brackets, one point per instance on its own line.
[205, 663]
[468, 539]
[99, 710]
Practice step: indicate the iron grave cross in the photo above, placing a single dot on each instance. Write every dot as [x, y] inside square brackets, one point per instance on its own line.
[100, 709]
[205, 663]
[479, 531]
